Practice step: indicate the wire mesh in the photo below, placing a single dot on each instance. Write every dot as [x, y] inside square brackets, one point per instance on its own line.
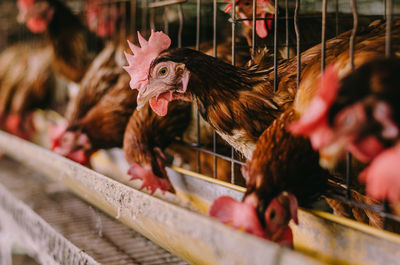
[286, 17]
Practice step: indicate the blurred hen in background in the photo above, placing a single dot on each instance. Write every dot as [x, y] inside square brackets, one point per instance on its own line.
[360, 115]
[310, 27]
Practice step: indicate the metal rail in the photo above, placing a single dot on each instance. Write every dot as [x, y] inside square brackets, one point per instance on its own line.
[191, 236]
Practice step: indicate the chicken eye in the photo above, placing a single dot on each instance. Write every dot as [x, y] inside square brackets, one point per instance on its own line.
[247, 3]
[272, 215]
[163, 72]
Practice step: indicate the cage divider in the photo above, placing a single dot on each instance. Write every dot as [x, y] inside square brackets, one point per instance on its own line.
[297, 30]
[323, 34]
[287, 28]
[388, 12]
[253, 31]
[215, 51]
[180, 30]
[276, 45]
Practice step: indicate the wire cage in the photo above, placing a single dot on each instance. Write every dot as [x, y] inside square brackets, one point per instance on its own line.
[289, 14]
[192, 23]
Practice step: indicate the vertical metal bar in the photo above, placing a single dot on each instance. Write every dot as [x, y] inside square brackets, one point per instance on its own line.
[384, 9]
[165, 18]
[388, 41]
[388, 53]
[287, 29]
[351, 55]
[386, 209]
[297, 30]
[133, 20]
[337, 16]
[215, 8]
[323, 34]
[215, 51]
[198, 14]
[233, 63]
[144, 15]
[253, 31]
[276, 46]
[353, 32]
[180, 16]
[151, 17]
[233, 32]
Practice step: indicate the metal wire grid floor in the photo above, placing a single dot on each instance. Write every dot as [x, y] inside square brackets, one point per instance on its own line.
[98, 235]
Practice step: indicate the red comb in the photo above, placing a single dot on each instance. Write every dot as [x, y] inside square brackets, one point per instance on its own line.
[140, 61]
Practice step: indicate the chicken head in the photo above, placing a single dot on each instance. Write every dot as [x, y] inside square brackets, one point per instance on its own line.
[71, 144]
[272, 224]
[265, 9]
[35, 13]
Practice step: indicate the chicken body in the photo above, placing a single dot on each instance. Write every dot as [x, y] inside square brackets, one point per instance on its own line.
[97, 117]
[26, 82]
[146, 137]
[238, 103]
[361, 117]
[74, 46]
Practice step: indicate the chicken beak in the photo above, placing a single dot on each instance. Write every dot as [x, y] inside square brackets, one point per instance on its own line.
[145, 95]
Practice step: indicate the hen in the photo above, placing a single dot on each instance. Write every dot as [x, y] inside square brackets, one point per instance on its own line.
[268, 172]
[74, 46]
[222, 95]
[29, 81]
[146, 137]
[360, 115]
[26, 82]
[277, 216]
[97, 117]
[310, 26]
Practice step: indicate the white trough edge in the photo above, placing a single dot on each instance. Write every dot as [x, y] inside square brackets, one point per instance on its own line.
[193, 237]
